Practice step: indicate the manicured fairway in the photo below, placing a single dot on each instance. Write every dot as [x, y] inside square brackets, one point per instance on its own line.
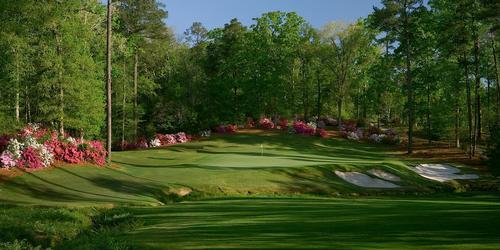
[322, 224]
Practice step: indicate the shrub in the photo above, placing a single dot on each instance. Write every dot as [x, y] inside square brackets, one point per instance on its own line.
[284, 124]
[34, 148]
[494, 149]
[302, 128]
[373, 130]
[250, 123]
[266, 123]
[322, 133]
[226, 129]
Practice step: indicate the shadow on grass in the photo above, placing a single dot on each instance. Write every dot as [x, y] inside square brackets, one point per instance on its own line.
[318, 224]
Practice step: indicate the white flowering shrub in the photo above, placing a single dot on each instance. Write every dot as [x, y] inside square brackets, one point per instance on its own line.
[154, 143]
[206, 133]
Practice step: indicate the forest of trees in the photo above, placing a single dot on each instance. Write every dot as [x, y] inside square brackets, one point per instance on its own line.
[428, 67]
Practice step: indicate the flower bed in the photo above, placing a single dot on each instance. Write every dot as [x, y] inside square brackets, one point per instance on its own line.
[389, 137]
[36, 148]
[168, 139]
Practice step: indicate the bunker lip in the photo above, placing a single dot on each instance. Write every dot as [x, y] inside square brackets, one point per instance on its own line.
[384, 175]
[364, 180]
[442, 172]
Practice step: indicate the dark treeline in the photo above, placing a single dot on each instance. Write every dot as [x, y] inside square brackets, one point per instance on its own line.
[430, 68]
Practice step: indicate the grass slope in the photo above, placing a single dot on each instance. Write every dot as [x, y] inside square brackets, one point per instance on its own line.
[233, 165]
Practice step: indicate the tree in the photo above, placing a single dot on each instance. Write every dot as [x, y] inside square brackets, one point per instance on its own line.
[141, 22]
[109, 79]
[398, 19]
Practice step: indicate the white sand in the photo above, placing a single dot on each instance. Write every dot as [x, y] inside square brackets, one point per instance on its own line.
[364, 180]
[442, 172]
[384, 175]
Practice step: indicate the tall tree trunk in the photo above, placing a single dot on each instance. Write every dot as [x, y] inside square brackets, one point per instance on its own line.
[124, 102]
[339, 110]
[408, 78]
[17, 87]
[469, 105]
[27, 105]
[318, 103]
[477, 116]
[136, 65]
[61, 85]
[457, 125]
[497, 79]
[109, 80]
[429, 113]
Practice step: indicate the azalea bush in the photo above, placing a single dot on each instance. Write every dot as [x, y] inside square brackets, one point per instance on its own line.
[35, 148]
[168, 139]
[226, 129]
[205, 133]
[250, 123]
[266, 123]
[388, 136]
[322, 133]
[301, 127]
[283, 124]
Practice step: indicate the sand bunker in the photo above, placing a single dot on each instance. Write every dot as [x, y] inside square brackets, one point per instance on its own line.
[442, 172]
[384, 175]
[364, 180]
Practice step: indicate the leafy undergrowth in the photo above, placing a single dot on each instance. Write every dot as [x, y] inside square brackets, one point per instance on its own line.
[64, 228]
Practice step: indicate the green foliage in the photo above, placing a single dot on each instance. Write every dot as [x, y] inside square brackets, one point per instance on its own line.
[494, 149]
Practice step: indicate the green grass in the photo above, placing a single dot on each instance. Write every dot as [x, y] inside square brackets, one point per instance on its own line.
[470, 223]
[234, 165]
[249, 192]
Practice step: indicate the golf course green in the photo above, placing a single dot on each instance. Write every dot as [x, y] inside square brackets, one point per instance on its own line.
[260, 191]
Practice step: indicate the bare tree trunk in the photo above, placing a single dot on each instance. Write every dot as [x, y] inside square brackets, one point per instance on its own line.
[457, 125]
[27, 105]
[124, 102]
[429, 114]
[477, 113]
[61, 86]
[469, 106]
[136, 65]
[318, 104]
[408, 79]
[339, 110]
[109, 79]
[497, 79]
[17, 86]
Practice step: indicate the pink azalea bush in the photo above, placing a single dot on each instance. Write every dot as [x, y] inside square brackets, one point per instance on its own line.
[284, 124]
[35, 148]
[226, 129]
[7, 159]
[266, 123]
[301, 127]
[322, 133]
[169, 139]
